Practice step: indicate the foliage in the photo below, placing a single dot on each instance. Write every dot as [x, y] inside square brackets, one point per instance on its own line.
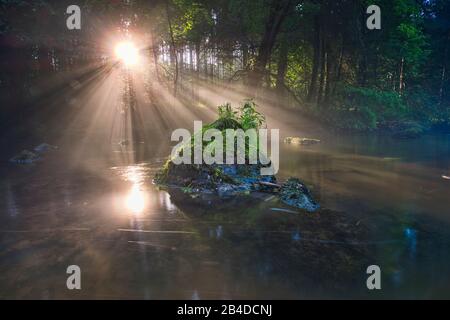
[322, 53]
[249, 117]
[228, 119]
[245, 117]
[358, 108]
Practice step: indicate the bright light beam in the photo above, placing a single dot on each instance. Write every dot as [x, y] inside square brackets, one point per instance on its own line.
[127, 52]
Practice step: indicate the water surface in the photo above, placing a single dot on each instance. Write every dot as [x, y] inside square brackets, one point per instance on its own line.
[385, 202]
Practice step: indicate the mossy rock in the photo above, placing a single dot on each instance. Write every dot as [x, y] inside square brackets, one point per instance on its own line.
[301, 141]
[25, 157]
[294, 193]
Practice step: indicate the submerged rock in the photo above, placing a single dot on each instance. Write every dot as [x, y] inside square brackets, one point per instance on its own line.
[44, 147]
[25, 157]
[226, 181]
[124, 143]
[221, 179]
[294, 193]
[228, 190]
[301, 141]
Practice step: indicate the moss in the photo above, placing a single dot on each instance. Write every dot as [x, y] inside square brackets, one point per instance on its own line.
[245, 117]
[223, 179]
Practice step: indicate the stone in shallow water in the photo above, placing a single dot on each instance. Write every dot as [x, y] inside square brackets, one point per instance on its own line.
[224, 180]
[301, 141]
[294, 193]
[44, 147]
[227, 181]
[124, 143]
[25, 157]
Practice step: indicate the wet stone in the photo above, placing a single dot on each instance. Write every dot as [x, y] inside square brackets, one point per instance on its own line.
[294, 193]
[201, 182]
[301, 141]
[25, 157]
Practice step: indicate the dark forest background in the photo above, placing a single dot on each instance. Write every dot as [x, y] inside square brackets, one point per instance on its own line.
[316, 56]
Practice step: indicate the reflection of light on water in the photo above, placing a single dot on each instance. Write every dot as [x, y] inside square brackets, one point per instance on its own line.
[11, 204]
[140, 197]
[411, 237]
[135, 200]
[165, 201]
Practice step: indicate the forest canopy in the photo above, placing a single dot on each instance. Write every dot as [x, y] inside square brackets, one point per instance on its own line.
[317, 56]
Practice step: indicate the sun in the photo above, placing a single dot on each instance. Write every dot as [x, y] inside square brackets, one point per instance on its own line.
[127, 53]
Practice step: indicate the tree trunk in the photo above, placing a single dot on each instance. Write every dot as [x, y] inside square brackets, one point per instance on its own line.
[441, 87]
[401, 77]
[205, 61]
[330, 74]
[191, 59]
[282, 66]
[443, 72]
[197, 58]
[323, 67]
[155, 55]
[278, 12]
[244, 49]
[173, 52]
[316, 61]
[339, 68]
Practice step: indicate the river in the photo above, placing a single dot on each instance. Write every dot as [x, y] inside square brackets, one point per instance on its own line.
[131, 240]
[91, 203]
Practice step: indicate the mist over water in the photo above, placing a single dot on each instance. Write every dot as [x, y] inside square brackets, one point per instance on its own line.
[92, 203]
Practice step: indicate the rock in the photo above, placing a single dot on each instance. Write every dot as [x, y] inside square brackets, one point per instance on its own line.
[222, 179]
[44, 147]
[25, 157]
[226, 181]
[124, 143]
[227, 190]
[294, 193]
[230, 180]
[301, 141]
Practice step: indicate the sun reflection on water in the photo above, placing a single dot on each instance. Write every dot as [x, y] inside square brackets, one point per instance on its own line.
[135, 200]
[139, 197]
